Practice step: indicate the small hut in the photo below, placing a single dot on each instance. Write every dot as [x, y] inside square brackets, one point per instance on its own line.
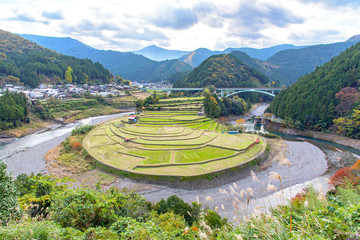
[133, 119]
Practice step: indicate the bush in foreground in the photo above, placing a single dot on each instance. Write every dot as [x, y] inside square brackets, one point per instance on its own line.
[9, 206]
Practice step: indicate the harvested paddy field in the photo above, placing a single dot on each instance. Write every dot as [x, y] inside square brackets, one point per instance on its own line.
[171, 144]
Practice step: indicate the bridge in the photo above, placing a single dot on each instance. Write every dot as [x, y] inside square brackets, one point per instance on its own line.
[224, 92]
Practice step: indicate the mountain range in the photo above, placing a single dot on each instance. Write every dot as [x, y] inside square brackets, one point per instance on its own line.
[329, 92]
[282, 63]
[23, 61]
[127, 64]
[156, 53]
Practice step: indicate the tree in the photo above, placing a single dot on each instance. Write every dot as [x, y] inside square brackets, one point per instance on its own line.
[347, 96]
[68, 75]
[9, 206]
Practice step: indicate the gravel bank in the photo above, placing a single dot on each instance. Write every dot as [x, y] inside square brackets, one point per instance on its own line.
[307, 163]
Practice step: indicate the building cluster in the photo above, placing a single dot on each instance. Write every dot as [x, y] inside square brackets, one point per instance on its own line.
[67, 90]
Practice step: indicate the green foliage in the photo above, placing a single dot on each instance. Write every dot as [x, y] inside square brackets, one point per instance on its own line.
[178, 76]
[223, 71]
[311, 100]
[291, 64]
[13, 110]
[68, 75]
[9, 206]
[83, 208]
[178, 206]
[44, 230]
[28, 61]
[215, 107]
[214, 220]
[349, 126]
[24, 183]
[82, 129]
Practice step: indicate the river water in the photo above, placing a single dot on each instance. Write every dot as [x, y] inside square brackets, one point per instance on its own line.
[26, 155]
[312, 162]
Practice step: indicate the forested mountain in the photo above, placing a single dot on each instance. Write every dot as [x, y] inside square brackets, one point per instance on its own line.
[293, 63]
[129, 65]
[159, 54]
[29, 63]
[263, 67]
[223, 70]
[330, 92]
[263, 53]
[196, 57]
[282, 63]
[199, 55]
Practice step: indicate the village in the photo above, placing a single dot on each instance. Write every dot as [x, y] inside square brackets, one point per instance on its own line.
[68, 90]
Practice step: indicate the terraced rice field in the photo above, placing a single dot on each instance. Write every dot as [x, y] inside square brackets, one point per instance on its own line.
[174, 143]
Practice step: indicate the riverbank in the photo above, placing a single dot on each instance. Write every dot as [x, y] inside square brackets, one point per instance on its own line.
[307, 162]
[38, 125]
[349, 142]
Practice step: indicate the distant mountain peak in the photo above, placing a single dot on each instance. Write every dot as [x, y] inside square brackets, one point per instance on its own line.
[159, 54]
[355, 38]
[150, 47]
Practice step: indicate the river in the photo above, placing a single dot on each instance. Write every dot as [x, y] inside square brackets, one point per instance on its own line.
[26, 154]
[311, 162]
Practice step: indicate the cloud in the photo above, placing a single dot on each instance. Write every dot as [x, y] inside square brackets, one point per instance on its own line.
[321, 35]
[249, 20]
[332, 3]
[137, 33]
[26, 17]
[87, 26]
[57, 15]
[177, 18]
[256, 16]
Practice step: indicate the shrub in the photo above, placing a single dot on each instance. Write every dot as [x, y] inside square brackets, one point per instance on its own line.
[39, 198]
[99, 233]
[81, 129]
[76, 146]
[9, 206]
[343, 177]
[43, 230]
[178, 206]
[83, 208]
[24, 183]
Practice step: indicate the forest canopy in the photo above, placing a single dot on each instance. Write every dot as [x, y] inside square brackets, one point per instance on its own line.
[316, 100]
[33, 64]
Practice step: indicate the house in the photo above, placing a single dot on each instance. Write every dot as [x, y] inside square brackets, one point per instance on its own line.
[133, 118]
[35, 94]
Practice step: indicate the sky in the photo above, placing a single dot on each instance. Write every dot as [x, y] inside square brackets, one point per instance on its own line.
[185, 24]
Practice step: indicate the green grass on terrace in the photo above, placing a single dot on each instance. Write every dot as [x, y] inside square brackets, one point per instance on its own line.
[205, 126]
[152, 157]
[181, 99]
[213, 126]
[200, 155]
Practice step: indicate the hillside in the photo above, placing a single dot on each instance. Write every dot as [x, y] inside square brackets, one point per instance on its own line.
[129, 65]
[31, 64]
[196, 57]
[312, 101]
[223, 71]
[199, 55]
[294, 63]
[263, 53]
[159, 54]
